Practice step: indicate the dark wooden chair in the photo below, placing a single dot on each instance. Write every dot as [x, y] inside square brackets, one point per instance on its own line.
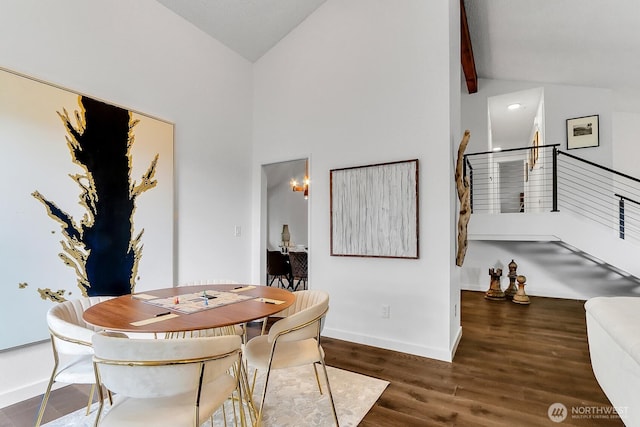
[298, 261]
[278, 268]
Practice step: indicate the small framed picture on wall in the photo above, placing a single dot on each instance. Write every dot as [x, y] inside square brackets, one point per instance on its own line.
[583, 132]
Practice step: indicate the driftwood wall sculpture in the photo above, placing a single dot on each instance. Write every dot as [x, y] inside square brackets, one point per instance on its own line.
[464, 196]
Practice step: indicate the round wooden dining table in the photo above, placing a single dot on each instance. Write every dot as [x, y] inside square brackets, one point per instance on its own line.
[137, 312]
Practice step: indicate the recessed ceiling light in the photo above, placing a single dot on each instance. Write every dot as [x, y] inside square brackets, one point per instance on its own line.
[514, 106]
[497, 149]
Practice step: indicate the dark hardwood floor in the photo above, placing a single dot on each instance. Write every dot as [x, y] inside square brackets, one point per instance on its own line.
[512, 363]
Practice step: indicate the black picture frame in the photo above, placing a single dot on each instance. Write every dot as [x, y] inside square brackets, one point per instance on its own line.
[583, 132]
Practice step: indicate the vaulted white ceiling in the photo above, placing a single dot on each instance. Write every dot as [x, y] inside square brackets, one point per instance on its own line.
[593, 43]
[579, 42]
[249, 27]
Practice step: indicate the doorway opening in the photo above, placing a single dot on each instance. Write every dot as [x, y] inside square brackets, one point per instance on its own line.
[287, 214]
[516, 125]
[511, 186]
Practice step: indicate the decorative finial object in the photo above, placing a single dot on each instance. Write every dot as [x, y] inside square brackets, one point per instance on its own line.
[286, 238]
[521, 297]
[512, 289]
[495, 291]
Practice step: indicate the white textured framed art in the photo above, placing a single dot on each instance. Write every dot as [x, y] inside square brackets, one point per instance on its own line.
[374, 210]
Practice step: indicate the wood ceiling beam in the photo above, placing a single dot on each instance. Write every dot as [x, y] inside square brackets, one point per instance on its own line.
[466, 52]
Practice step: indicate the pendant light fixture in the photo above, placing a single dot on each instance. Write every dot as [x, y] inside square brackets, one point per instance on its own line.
[304, 187]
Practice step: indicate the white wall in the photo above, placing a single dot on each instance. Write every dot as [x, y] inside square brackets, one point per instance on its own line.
[561, 102]
[358, 82]
[626, 143]
[126, 54]
[363, 82]
[551, 272]
[567, 102]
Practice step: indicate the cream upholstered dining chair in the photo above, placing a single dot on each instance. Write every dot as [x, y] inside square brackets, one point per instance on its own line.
[293, 341]
[172, 383]
[71, 343]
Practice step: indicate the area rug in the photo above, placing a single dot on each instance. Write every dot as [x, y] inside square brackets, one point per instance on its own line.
[292, 400]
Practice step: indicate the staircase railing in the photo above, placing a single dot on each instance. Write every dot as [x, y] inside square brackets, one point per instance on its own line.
[546, 179]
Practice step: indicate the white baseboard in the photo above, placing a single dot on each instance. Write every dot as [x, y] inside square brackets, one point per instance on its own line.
[12, 397]
[454, 347]
[443, 354]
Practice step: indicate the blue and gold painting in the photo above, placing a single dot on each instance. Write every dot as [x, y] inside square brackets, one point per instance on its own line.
[88, 202]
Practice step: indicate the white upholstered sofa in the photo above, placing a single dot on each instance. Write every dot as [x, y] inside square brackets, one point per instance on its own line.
[613, 330]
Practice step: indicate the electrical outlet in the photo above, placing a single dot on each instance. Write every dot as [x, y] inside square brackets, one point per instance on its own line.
[237, 231]
[455, 310]
[384, 311]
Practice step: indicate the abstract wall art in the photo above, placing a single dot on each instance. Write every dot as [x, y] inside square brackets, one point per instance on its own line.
[88, 202]
[374, 210]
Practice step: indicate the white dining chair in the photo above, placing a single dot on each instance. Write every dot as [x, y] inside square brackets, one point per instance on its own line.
[167, 383]
[71, 344]
[292, 341]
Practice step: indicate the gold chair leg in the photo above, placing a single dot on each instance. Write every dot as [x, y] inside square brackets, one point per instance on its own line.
[333, 406]
[45, 398]
[315, 370]
[253, 381]
[100, 395]
[264, 395]
[224, 416]
[248, 389]
[236, 413]
[93, 390]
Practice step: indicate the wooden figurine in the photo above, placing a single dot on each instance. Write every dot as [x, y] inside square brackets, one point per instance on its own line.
[521, 297]
[511, 290]
[495, 291]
